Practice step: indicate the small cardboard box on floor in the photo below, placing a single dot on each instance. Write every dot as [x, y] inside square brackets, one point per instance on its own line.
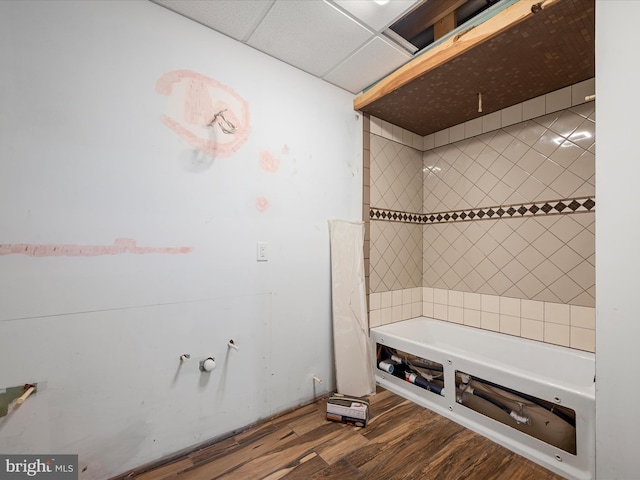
[349, 410]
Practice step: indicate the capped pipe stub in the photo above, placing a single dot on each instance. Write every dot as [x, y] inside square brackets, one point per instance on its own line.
[208, 364]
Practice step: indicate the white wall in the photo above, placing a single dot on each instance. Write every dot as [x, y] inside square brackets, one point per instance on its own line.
[617, 240]
[84, 159]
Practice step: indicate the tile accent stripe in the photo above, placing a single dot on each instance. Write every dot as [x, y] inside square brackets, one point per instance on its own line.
[552, 207]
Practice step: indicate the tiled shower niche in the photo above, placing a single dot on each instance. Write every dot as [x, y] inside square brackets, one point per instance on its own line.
[507, 204]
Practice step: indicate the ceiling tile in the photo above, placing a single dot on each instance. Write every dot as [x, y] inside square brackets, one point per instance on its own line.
[372, 62]
[233, 18]
[377, 16]
[311, 35]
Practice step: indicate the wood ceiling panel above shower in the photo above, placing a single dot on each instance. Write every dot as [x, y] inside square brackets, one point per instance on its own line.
[511, 57]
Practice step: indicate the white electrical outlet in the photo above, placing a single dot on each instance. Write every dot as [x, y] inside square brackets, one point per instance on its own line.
[263, 251]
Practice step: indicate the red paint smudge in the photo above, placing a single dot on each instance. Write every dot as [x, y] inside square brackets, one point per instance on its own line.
[269, 163]
[120, 246]
[196, 100]
[262, 204]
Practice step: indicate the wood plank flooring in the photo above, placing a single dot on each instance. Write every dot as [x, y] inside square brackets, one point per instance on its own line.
[401, 441]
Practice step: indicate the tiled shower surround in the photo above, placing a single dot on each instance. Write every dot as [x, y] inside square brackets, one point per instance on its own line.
[489, 223]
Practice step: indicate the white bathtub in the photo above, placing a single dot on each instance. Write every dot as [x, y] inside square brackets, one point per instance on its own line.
[555, 374]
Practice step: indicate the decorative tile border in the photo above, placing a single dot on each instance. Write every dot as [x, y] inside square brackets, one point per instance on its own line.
[553, 207]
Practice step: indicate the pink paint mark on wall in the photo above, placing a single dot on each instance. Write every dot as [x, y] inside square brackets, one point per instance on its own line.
[120, 246]
[269, 162]
[194, 107]
[262, 204]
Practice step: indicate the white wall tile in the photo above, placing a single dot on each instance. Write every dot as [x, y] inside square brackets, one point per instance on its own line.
[511, 115]
[500, 141]
[558, 313]
[472, 301]
[396, 296]
[375, 126]
[529, 134]
[490, 303]
[440, 311]
[472, 317]
[407, 138]
[567, 325]
[557, 334]
[396, 133]
[429, 142]
[510, 306]
[558, 100]
[581, 90]
[441, 138]
[375, 318]
[583, 339]
[532, 329]
[375, 301]
[473, 127]
[386, 129]
[556, 323]
[396, 313]
[456, 299]
[440, 296]
[585, 110]
[456, 133]
[532, 309]
[455, 314]
[583, 317]
[533, 108]
[416, 294]
[418, 142]
[406, 296]
[427, 294]
[385, 316]
[510, 325]
[386, 300]
[490, 321]
[491, 122]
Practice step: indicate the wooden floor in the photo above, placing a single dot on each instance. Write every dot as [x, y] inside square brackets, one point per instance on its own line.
[401, 441]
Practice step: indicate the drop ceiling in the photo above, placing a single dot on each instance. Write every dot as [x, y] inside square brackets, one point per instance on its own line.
[340, 41]
[347, 43]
